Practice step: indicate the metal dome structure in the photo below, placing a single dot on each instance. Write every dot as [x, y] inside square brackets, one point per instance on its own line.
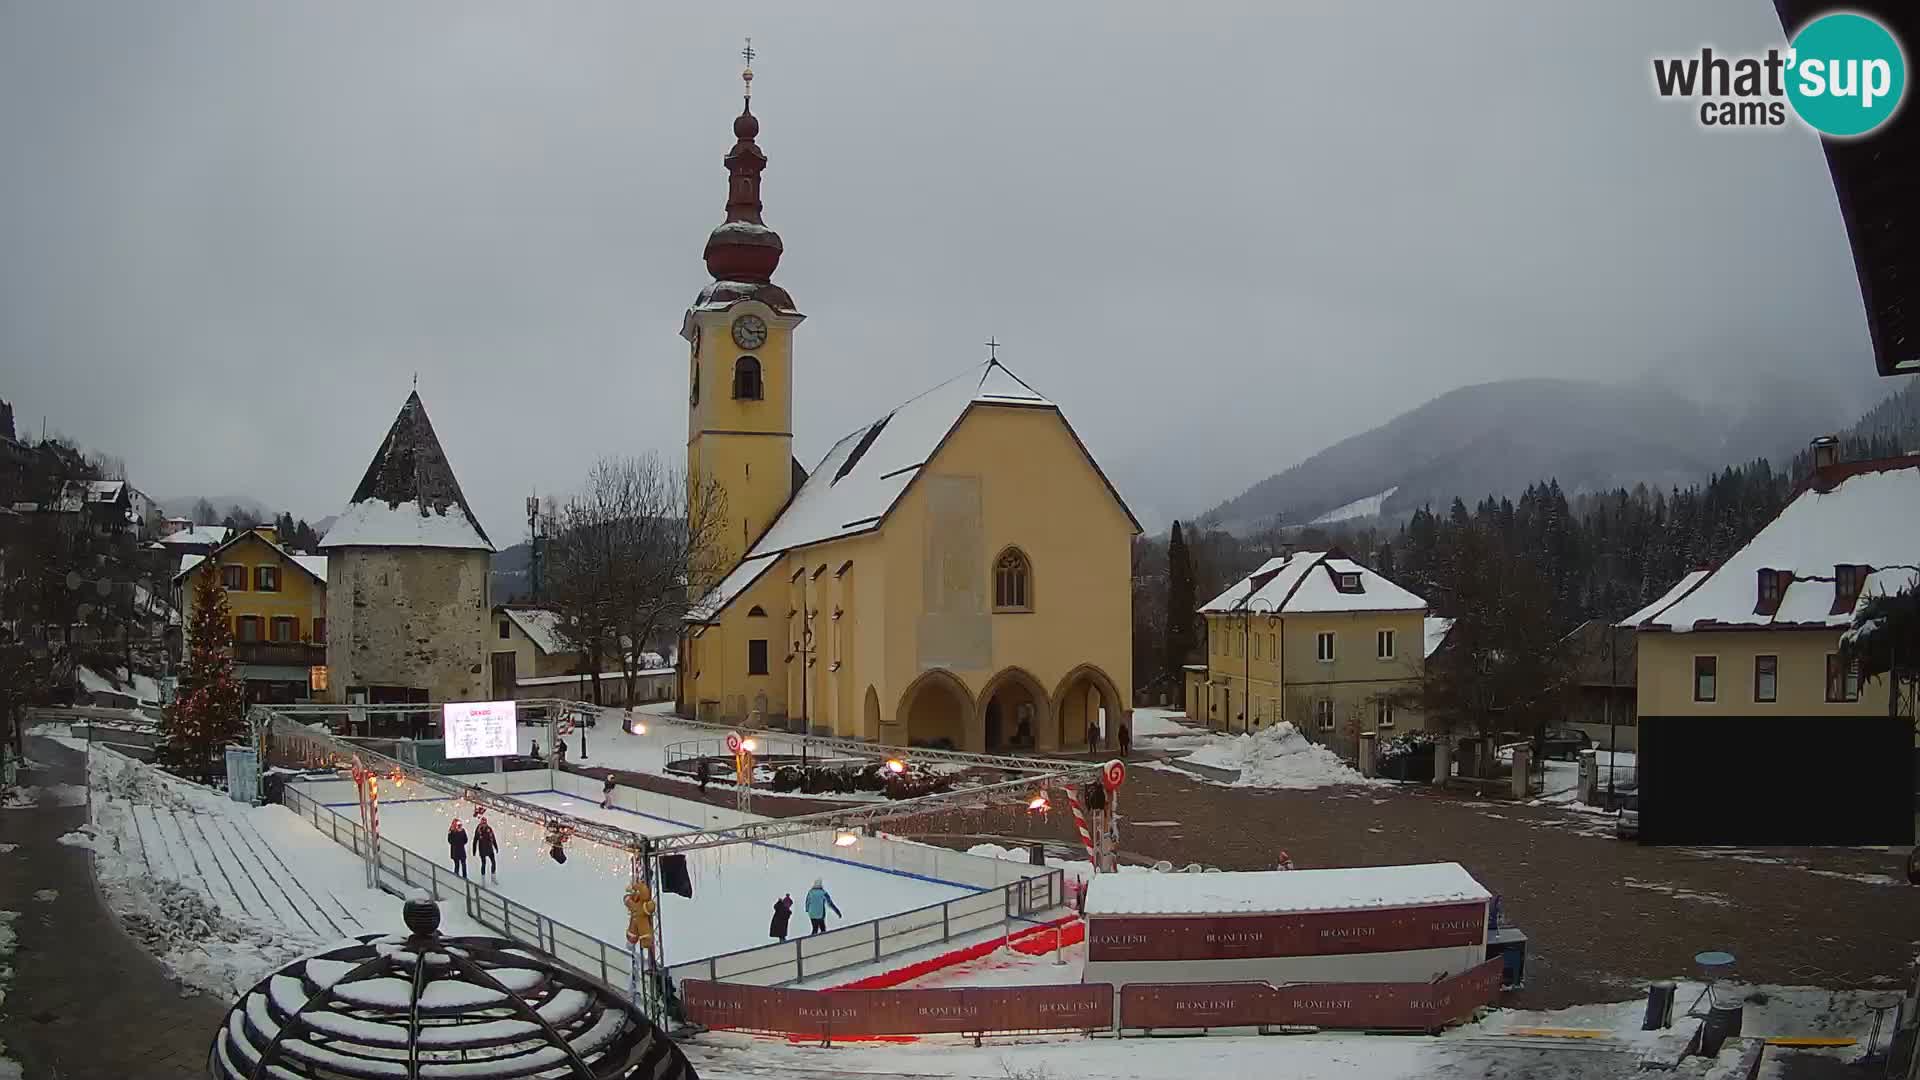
[407, 1007]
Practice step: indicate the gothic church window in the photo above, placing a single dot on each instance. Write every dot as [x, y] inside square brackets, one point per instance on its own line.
[1012, 582]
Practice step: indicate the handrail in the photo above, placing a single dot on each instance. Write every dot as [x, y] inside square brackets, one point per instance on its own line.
[1023, 897]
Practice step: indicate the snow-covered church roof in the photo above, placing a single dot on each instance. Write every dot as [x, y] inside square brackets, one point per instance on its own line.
[861, 479]
[409, 496]
[1310, 581]
[1855, 514]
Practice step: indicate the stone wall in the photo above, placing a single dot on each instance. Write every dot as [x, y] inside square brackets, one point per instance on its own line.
[413, 617]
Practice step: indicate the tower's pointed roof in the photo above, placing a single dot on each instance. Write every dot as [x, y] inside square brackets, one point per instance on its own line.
[409, 496]
[742, 252]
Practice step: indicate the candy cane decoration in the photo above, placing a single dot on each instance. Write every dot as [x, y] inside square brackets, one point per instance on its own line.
[1080, 823]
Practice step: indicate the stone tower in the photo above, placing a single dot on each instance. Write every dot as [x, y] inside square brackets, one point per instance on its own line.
[740, 374]
[407, 564]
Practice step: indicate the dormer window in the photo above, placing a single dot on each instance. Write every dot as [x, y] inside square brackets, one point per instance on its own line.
[1848, 580]
[1773, 584]
[1347, 582]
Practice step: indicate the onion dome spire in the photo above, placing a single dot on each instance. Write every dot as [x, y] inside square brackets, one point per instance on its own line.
[743, 248]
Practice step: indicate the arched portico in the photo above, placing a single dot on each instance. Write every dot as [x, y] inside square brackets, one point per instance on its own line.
[1087, 695]
[1014, 712]
[937, 707]
[870, 715]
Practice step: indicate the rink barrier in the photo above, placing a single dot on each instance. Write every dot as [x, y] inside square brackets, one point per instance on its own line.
[827, 1014]
[812, 956]
[1427, 1006]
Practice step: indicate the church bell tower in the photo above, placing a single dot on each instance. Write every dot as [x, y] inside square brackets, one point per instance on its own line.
[739, 333]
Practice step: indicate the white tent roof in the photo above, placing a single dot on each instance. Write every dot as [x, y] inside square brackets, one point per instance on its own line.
[1868, 516]
[1264, 892]
[1304, 582]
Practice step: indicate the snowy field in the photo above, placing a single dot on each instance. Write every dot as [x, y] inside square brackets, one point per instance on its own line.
[734, 887]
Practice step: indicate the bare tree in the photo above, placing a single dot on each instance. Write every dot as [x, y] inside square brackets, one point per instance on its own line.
[620, 554]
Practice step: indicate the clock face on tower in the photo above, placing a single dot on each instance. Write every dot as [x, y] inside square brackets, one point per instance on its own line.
[749, 332]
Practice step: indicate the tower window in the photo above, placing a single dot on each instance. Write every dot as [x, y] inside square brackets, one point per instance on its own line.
[1012, 582]
[746, 379]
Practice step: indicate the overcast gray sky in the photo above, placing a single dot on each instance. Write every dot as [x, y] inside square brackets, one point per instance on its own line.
[1221, 237]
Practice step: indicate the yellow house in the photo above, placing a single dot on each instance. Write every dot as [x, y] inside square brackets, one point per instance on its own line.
[1760, 634]
[278, 602]
[525, 644]
[1317, 639]
[955, 572]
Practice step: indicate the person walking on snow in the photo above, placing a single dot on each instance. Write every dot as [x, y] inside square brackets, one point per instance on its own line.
[1093, 736]
[1126, 741]
[562, 747]
[606, 793]
[457, 846]
[782, 912]
[487, 846]
[535, 752]
[818, 901]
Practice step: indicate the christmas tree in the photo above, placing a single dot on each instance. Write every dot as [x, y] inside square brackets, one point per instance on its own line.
[209, 712]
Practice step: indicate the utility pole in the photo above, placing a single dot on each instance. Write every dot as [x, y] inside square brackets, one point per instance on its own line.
[537, 545]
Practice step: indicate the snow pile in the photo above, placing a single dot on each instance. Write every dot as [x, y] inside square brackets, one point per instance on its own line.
[56, 795]
[1277, 757]
[1075, 869]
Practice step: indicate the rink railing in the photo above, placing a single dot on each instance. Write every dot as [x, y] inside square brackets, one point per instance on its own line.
[811, 956]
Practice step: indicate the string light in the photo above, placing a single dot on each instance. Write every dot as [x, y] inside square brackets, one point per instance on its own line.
[896, 766]
[846, 838]
[749, 745]
[1038, 803]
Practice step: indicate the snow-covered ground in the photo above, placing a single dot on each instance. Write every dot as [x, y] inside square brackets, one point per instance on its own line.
[219, 892]
[610, 746]
[734, 887]
[1358, 508]
[1277, 756]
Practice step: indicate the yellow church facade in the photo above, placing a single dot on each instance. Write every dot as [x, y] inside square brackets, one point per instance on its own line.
[956, 572]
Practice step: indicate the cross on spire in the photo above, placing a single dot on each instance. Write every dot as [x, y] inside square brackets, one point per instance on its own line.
[746, 73]
[993, 348]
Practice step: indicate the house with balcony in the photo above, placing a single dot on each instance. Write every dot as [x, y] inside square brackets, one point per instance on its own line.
[1317, 639]
[278, 602]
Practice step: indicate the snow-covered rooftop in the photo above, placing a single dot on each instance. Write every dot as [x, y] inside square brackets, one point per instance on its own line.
[1307, 581]
[312, 564]
[616, 673]
[375, 524]
[857, 483]
[409, 496]
[142, 688]
[1681, 588]
[1869, 515]
[1260, 892]
[208, 535]
[541, 627]
[1436, 634]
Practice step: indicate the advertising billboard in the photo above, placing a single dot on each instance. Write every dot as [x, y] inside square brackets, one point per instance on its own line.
[479, 728]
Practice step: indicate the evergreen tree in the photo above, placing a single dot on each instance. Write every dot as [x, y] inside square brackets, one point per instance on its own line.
[209, 711]
[1181, 604]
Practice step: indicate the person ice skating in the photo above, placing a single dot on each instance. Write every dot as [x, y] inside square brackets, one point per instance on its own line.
[562, 747]
[606, 793]
[1126, 740]
[782, 912]
[703, 772]
[487, 846]
[1286, 862]
[535, 752]
[818, 901]
[457, 846]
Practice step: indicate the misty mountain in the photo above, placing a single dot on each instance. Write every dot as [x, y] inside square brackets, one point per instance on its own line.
[509, 580]
[1496, 438]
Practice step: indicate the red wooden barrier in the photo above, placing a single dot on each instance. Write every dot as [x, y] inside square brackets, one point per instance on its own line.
[1314, 933]
[849, 1013]
[1416, 1006]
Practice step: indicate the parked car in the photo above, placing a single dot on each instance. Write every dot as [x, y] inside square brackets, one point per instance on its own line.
[1564, 744]
[1627, 825]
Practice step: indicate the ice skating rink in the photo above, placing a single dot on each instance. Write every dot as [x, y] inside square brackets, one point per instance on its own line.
[734, 887]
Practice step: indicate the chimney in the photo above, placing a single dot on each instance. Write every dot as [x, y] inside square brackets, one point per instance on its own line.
[1826, 452]
[269, 533]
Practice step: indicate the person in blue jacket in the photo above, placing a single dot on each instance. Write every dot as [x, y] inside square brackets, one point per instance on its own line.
[818, 901]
